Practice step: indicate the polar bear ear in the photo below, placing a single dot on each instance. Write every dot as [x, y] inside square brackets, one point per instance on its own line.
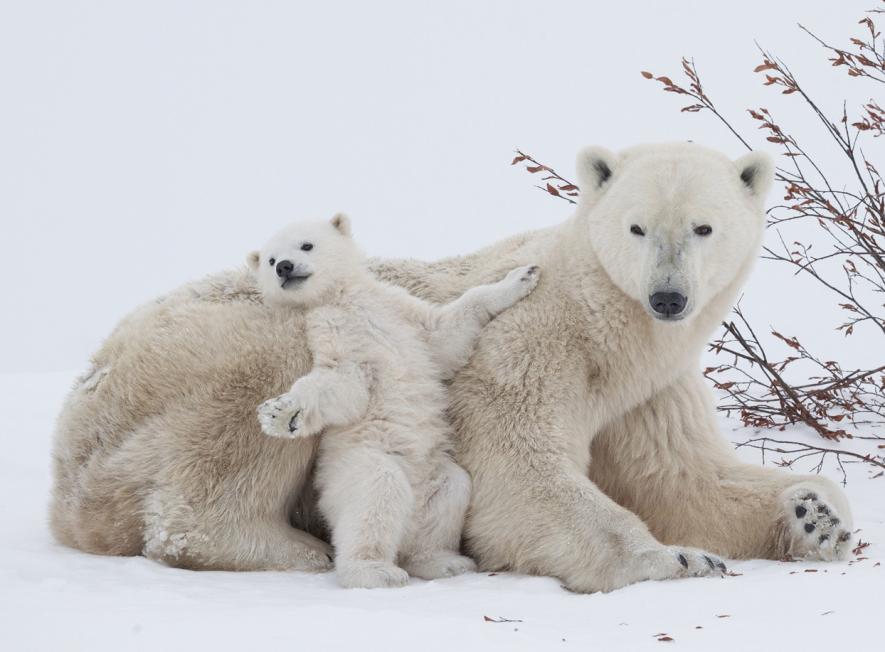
[596, 166]
[342, 223]
[252, 259]
[756, 171]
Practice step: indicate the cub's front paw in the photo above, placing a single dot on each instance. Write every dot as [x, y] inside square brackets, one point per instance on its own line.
[282, 416]
[817, 527]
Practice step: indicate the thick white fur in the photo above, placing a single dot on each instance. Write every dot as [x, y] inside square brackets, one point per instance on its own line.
[587, 429]
[388, 486]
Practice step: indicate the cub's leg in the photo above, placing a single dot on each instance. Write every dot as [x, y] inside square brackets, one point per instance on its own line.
[455, 326]
[432, 549]
[367, 500]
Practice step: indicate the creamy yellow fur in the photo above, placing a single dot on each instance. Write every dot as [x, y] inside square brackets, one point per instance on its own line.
[583, 420]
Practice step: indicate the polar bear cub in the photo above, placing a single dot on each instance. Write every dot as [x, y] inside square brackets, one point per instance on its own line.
[388, 487]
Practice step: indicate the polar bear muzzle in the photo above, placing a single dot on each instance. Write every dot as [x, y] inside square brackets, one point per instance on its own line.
[291, 274]
[668, 305]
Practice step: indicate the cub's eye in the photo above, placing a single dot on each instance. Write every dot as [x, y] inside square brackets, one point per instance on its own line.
[307, 246]
[637, 230]
[703, 229]
[272, 262]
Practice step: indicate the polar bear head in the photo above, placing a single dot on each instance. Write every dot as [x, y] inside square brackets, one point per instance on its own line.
[673, 225]
[305, 261]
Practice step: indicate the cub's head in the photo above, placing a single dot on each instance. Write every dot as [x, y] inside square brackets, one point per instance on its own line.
[673, 225]
[303, 262]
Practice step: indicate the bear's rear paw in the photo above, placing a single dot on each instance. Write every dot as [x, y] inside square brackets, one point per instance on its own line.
[370, 575]
[816, 528]
[440, 565]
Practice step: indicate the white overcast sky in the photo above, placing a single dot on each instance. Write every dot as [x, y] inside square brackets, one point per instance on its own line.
[144, 144]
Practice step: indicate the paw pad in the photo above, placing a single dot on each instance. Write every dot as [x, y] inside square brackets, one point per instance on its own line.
[817, 531]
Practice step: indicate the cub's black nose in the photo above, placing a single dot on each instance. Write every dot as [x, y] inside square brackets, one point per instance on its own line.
[284, 268]
[668, 304]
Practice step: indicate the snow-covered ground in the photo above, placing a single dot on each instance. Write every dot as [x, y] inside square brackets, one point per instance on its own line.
[55, 598]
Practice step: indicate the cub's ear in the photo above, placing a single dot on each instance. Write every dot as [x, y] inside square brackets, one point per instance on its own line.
[596, 166]
[252, 259]
[756, 171]
[342, 223]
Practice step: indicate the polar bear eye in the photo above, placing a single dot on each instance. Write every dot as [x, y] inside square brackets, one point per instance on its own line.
[307, 246]
[272, 262]
[703, 229]
[636, 230]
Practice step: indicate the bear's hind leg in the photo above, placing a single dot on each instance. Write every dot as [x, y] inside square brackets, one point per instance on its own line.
[814, 522]
[178, 535]
[432, 551]
[667, 462]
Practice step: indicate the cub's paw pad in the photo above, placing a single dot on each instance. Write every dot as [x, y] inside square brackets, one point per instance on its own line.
[817, 530]
[280, 417]
[443, 565]
[371, 575]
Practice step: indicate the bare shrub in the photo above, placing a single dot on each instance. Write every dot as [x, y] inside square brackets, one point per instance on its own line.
[830, 229]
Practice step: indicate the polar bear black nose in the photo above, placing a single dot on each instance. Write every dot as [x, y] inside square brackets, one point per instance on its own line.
[668, 304]
[284, 268]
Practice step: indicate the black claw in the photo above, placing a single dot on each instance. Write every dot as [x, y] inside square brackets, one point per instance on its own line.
[683, 560]
[809, 527]
[800, 511]
[292, 426]
[710, 562]
[823, 538]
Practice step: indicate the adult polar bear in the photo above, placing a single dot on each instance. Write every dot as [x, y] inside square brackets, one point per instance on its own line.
[582, 418]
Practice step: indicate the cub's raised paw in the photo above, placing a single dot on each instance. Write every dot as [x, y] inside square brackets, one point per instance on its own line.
[281, 417]
[816, 528]
[524, 279]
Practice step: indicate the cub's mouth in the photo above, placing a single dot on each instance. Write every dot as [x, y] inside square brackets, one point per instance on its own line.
[294, 280]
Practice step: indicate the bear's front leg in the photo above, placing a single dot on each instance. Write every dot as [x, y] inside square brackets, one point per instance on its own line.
[706, 496]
